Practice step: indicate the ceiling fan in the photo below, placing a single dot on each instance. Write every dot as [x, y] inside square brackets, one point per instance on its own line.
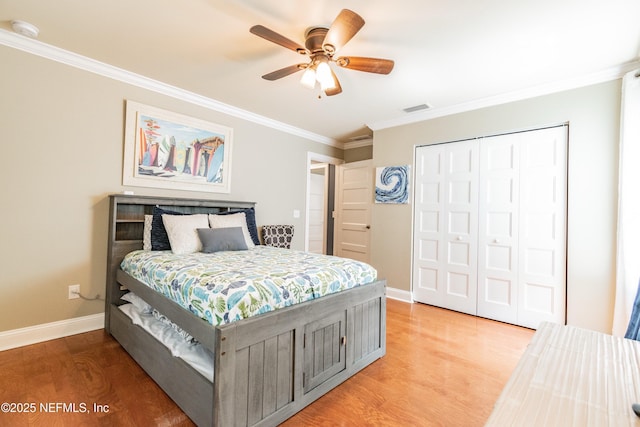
[321, 44]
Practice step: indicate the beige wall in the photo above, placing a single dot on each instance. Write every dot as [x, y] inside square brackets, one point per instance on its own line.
[593, 114]
[357, 154]
[61, 132]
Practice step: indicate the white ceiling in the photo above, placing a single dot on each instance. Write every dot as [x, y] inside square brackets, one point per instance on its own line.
[447, 53]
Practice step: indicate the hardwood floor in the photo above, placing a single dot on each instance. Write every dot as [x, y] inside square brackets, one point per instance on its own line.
[441, 369]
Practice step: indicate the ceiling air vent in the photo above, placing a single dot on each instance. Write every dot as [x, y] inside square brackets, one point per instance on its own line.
[416, 108]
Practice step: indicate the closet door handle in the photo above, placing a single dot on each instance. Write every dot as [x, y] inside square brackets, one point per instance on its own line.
[496, 240]
[459, 238]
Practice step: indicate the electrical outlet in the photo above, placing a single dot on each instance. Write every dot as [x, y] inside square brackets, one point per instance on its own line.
[74, 291]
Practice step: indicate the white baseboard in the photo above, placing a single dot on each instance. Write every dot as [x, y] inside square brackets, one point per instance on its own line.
[399, 294]
[49, 331]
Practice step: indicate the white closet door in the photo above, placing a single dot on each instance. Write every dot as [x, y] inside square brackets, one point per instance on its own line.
[446, 222]
[542, 246]
[428, 247]
[490, 226]
[498, 227]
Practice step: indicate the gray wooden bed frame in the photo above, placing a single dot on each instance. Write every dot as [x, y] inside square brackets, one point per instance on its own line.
[266, 368]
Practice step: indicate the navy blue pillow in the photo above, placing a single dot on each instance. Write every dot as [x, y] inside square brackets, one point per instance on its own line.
[159, 236]
[250, 214]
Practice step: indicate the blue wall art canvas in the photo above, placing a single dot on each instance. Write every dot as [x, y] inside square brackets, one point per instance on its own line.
[392, 184]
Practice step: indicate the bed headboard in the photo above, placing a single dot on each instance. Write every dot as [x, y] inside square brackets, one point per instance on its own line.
[126, 226]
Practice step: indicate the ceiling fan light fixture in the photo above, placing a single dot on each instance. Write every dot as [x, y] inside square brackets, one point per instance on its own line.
[321, 44]
[324, 76]
[308, 78]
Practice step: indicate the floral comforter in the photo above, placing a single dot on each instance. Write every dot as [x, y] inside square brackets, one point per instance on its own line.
[223, 287]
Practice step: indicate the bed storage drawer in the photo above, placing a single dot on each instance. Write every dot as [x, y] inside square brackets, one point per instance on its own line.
[180, 381]
[264, 378]
[324, 345]
[366, 330]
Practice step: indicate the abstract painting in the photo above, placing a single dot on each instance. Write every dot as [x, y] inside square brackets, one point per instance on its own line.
[392, 184]
[169, 150]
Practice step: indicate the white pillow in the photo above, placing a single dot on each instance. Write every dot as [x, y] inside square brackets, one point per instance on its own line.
[138, 302]
[233, 220]
[182, 231]
[146, 233]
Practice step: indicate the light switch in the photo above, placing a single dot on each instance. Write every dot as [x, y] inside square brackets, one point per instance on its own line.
[296, 213]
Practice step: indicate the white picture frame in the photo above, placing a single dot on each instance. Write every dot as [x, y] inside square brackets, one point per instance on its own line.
[164, 149]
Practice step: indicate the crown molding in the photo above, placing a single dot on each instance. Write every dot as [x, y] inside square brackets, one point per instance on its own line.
[357, 143]
[35, 47]
[609, 74]
[53, 53]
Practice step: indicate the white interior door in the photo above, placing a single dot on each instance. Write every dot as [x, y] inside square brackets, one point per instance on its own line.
[354, 196]
[542, 246]
[461, 207]
[318, 208]
[445, 226]
[498, 227]
[429, 268]
[490, 226]
[327, 165]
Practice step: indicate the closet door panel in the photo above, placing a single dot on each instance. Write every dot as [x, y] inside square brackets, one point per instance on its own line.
[445, 226]
[428, 265]
[498, 226]
[542, 253]
[461, 209]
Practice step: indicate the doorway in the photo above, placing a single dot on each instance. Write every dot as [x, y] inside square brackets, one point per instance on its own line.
[320, 200]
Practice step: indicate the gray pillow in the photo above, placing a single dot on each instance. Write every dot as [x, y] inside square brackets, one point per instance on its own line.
[222, 239]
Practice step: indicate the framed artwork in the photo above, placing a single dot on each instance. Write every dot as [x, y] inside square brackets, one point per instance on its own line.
[168, 150]
[392, 184]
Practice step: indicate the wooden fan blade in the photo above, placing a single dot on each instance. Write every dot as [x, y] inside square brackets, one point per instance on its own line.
[345, 26]
[370, 65]
[276, 38]
[283, 72]
[335, 90]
